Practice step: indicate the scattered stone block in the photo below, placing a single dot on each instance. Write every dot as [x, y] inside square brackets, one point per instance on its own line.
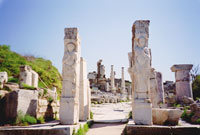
[3, 79]
[166, 116]
[24, 101]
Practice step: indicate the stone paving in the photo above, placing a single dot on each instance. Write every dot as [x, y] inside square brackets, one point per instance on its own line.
[106, 129]
[111, 113]
[109, 118]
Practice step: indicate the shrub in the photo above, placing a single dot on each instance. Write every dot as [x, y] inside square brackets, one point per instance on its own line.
[45, 92]
[130, 115]
[82, 131]
[30, 119]
[50, 99]
[20, 118]
[11, 61]
[187, 117]
[24, 120]
[91, 115]
[40, 120]
[14, 80]
[198, 121]
[176, 105]
[25, 86]
[196, 87]
[90, 123]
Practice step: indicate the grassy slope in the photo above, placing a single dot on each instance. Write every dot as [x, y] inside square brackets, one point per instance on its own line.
[11, 61]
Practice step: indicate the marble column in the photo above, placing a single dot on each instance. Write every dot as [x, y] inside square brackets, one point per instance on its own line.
[83, 91]
[112, 79]
[139, 71]
[160, 87]
[154, 89]
[129, 92]
[123, 87]
[107, 87]
[88, 108]
[69, 102]
[183, 80]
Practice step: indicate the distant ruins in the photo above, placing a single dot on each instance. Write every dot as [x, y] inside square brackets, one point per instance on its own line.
[108, 90]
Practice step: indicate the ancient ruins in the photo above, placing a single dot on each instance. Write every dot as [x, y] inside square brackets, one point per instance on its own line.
[183, 81]
[153, 102]
[108, 90]
[140, 71]
[28, 76]
[74, 105]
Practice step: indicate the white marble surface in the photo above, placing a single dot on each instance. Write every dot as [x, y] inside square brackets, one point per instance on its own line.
[111, 113]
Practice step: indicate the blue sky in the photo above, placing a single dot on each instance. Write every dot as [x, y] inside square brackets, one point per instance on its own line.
[36, 27]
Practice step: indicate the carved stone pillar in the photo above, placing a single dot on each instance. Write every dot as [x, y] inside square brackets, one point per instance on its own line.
[83, 91]
[160, 87]
[154, 89]
[139, 71]
[69, 102]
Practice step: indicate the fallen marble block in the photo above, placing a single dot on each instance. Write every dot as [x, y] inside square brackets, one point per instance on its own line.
[166, 116]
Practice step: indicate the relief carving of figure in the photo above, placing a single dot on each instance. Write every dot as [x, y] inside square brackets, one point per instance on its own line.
[141, 67]
[70, 62]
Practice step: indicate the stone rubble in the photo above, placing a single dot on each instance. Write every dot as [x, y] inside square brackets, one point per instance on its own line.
[3, 79]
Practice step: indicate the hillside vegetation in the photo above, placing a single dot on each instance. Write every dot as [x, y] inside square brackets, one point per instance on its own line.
[11, 61]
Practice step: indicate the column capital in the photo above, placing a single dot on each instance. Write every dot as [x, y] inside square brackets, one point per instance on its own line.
[179, 67]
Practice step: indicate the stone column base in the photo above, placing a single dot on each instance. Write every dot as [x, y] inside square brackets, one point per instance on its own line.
[142, 113]
[69, 111]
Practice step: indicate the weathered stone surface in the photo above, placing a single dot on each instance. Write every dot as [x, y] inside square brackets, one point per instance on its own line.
[50, 128]
[3, 93]
[183, 81]
[11, 86]
[42, 102]
[24, 101]
[69, 103]
[107, 86]
[160, 87]
[129, 92]
[3, 79]
[42, 109]
[34, 79]
[142, 113]
[187, 100]
[112, 78]
[170, 99]
[139, 71]
[123, 87]
[88, 108]
[195, 109]
[83, 92]
[28, 76]
[166, 116]
[154, 89]
[132, 129]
